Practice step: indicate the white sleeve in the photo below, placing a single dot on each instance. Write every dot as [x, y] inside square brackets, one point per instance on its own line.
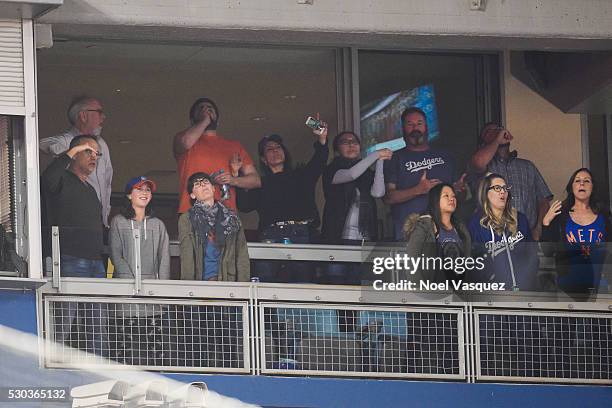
[54, 145]
[347, 175]
[378, 186]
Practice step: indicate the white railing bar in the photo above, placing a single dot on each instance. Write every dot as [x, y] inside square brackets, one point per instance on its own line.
[55, 257]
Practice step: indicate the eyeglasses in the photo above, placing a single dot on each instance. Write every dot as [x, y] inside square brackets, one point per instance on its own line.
[91, 153]
[347, 142]
[499, 189]
[201, 182]
[100, 111]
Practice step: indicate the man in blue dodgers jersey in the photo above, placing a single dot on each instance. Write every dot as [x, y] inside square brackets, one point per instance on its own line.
[415, 170]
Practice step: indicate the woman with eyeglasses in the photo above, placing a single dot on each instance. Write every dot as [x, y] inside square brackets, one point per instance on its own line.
[349, 215]
[211, 238]
[502, 236]
[582, 226]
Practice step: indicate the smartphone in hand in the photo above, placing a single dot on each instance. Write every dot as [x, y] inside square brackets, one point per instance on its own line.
[313, 123]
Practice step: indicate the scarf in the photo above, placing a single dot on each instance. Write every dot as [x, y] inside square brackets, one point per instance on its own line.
[363, 184]
[216, 219]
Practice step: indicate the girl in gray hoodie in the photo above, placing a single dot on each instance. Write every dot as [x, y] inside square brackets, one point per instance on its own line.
[154, 244]
[137, 324]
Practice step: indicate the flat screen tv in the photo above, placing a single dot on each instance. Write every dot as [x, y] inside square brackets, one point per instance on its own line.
[381, 119]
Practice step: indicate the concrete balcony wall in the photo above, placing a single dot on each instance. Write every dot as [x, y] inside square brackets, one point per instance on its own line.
[545, 23]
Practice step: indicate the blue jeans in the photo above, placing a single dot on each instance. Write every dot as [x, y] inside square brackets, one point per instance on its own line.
[74, 267]
[284, 271]
[94, 316]
[341, 273]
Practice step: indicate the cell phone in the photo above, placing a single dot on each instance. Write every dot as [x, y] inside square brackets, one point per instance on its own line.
[313, 123]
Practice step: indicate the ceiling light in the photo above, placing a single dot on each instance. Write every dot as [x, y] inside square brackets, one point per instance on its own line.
[290, 97]
[258, 118]
[117, 90]
[125, 141]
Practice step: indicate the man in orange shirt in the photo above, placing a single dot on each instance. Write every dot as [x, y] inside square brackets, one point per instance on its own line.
[200, 149]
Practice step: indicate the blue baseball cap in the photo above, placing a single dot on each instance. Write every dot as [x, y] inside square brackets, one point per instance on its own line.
[139, 181]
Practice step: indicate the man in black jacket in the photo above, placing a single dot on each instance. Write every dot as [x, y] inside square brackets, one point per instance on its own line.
[72, 204]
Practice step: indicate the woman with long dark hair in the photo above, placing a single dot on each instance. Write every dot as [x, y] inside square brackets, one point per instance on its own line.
[137, 214]
[285, 203]
[349, 215]
[582, 225]
[135, 326]
[437, 234]
[350, 187]
[504, 236]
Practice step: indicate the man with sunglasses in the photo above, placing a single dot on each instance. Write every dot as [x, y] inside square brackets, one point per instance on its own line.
[530, 194]
[86, 117]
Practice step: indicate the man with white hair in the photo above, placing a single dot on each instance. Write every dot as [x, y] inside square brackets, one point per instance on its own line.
[86, 116]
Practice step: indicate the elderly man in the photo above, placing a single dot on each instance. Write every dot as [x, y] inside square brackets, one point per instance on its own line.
[199, 148]
[416, 169]
[72, 204]
[530, 194]
[86, 117]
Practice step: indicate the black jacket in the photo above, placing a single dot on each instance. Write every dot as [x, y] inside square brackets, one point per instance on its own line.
[289, 195]
[73, 205]
[338, 200]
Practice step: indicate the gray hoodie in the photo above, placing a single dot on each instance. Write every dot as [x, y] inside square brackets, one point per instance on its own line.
[154, 248]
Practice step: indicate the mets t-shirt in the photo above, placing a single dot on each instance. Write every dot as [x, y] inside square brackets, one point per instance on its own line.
[585, 245]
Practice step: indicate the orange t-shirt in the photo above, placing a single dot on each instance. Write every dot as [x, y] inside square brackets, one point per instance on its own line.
[209, 154]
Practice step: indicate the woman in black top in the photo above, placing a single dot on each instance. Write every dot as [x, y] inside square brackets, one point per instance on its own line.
[580, 226]
[285, 202]
[350, 187]
[349, 216]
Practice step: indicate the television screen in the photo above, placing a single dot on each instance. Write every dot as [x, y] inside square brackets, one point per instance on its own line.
[381, 119]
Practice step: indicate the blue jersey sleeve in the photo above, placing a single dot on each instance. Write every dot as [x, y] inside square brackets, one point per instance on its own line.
[523, 226]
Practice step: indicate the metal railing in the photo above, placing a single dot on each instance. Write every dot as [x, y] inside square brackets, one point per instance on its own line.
[203, 336]
[312, 254]
[307, 329]
[543, 346]
[285, 329]
[406, 342]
